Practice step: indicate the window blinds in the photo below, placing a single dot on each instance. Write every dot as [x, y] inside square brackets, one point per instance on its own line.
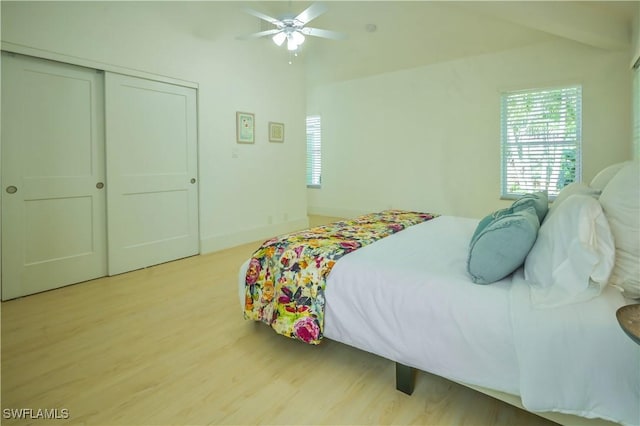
[314, 157]
[541, 140]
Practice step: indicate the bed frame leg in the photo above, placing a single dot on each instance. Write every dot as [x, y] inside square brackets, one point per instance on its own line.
[405, 378]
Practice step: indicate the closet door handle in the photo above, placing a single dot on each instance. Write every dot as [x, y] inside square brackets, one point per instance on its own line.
[12, 189]
[99, 185]
[193, 180]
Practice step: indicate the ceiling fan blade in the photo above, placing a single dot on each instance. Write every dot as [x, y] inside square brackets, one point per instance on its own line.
[311, 13]
[262, 16]
[317, 32]
[258, 35]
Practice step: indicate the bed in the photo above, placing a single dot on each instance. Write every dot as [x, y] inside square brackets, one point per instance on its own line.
[416, 298]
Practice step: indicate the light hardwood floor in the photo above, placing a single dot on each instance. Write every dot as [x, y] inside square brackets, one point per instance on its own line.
[168, 345]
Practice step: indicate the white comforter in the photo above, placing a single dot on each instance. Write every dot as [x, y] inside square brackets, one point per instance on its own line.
[409, 298]
[576, 359]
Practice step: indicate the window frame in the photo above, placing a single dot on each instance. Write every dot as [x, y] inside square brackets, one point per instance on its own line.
[314, 151]
[572, 135]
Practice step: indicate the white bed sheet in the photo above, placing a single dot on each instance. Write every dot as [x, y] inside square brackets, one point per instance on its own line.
[408, 298]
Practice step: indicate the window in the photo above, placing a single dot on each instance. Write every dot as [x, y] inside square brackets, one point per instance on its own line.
[314, 144]
[541, 140]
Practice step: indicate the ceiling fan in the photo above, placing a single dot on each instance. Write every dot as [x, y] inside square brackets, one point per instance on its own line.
[293, 29]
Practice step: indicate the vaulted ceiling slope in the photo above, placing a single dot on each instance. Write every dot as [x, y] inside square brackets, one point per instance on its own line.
[407, 33]
[418, 33]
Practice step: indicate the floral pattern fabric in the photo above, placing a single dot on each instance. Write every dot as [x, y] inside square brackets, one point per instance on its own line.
[286, 278]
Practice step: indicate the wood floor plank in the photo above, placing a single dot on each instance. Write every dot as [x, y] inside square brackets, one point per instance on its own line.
[169, 345]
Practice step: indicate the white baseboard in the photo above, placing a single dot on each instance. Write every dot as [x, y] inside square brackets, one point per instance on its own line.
[224, 241]
[335, 212]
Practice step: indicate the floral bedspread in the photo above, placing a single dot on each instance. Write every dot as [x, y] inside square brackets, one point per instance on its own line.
[286, 278]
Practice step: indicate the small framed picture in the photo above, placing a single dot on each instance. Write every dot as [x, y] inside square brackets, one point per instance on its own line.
[245, 127]
[276, 132]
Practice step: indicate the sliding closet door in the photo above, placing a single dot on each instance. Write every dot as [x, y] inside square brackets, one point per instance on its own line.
[152, 202]
[53, 201]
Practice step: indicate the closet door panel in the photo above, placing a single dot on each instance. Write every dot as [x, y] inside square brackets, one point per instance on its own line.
[152, 172]
[53, 215]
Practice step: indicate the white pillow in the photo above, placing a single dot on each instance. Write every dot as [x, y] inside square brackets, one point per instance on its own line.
[605, 175]
[620, 201]
[569, 190]
[573, 256]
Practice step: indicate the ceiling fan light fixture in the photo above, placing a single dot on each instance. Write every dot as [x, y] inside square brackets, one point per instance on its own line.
[298, 37]
[291, 43]
[294, 40]
[279, 38]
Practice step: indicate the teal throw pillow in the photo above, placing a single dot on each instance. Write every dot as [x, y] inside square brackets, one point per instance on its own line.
[490, 218]
[537, 200]
[502, 245]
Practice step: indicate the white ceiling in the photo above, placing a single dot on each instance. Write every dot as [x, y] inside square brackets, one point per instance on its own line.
[416, 33]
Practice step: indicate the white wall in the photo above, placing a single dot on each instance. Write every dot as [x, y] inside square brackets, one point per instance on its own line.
[253, 196]
[429, 138]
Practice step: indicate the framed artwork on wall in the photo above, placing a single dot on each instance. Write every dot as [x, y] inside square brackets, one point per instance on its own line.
[276, 132]
[245, 127]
